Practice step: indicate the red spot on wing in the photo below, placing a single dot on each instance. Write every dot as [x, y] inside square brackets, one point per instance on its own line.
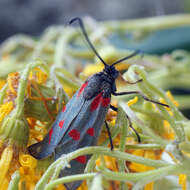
[82, 88]
[105, 102]
[81, 159]
[64, 108]
[61, 123]
[90, 131]
[74, 134]
[50, 134]
[95, 103]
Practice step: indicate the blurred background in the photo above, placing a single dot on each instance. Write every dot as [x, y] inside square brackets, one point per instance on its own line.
[33, 16]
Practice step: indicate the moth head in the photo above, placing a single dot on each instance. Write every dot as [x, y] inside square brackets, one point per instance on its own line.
[111, 71]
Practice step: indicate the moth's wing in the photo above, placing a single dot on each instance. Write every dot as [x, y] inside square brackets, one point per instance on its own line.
[84, 131]
[59, 129]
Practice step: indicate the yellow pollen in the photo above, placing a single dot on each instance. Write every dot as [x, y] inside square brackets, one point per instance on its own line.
[133, 101]
[168, 93]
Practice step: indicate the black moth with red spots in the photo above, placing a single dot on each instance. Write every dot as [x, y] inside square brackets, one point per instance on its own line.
[79, 123]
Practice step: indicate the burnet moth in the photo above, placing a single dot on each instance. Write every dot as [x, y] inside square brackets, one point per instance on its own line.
[79, 123]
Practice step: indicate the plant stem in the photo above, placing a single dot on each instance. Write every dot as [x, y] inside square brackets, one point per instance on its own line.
[150, 24]
[67, 179]
[97, 150]
[22, 86]
[13, 185]
[148, 176]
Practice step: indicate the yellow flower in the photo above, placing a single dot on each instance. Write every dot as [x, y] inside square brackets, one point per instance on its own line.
[5, 184]
[38, 75]
[168, 93]
[2, 83]
[27, 161]
[168, 131]
[109, 161]
[183, 181]
[149, 186]
[156, 155]
[69, 91]
[5, 163]
[83, 186]
[12, 80]
[92, 69]
[98, 67]
[5, 109]
[27, 170]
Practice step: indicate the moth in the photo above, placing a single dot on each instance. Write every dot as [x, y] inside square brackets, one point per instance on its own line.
[79, 123]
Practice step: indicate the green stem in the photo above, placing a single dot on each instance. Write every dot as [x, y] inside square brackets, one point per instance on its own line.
[3, 93]
[83, 54]
[150, 24]
[66, 81]
[68, 179]
[114, 134]
[123, 124]
[150, 114]
[13, 185]
[90, 166]
[149, 89]
[22, 87]
[60, 48]
[91, 163]
[158, 92]
[148, 176]
[57, 170]
[49, 35]
[142, 125]
[48, 173]
[96, 150]
[145, 146]
[184, 101]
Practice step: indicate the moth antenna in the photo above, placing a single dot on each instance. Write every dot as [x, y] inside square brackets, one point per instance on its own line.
[87, 38]
[127, 57]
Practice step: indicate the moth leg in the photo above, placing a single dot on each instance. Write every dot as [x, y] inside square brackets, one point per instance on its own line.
[66, 187]
[131, 126]
[142, 95]
[130, 123]
[109, 134]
